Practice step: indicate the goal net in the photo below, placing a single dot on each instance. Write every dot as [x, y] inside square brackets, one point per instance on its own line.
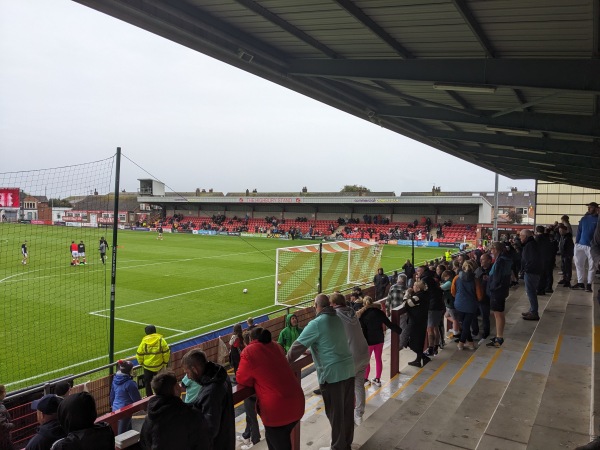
[344, 263]
[48, 296]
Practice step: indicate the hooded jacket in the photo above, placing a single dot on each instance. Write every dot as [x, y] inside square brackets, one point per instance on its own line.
[356, 339]
[124, 391]
[465, 292]
[289, 334]
[585, 230]
[77, 414]
[172, 424]
[153, 352]
[279, 396]
[498, 283]
[47, 434]
[215, 402]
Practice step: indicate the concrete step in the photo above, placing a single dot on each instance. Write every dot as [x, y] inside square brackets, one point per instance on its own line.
[563, 418]
[512, 421]
[453, 387]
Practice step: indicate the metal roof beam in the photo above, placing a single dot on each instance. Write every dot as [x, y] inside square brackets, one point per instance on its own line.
[475, 27]
[557, 74]
[286, 26]
[588, 126]
[539, 161]
[387, 89]
[596, 29]
[535, 173]
[553, 146]
[359, 15]
[526, 105]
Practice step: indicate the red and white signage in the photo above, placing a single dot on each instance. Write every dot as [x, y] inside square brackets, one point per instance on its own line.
[9, 198]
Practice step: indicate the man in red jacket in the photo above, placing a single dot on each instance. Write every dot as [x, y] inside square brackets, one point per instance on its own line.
[279, 397]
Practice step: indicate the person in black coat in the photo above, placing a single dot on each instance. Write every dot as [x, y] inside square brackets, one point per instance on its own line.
[77, 416]
[381, 282]
[531, 264]
[372, 318]
[548, 256]
[170, 423]
[50, 430]
[437, 308]
[409, 270]
[417, 304]
[215, 400]
[566, 247]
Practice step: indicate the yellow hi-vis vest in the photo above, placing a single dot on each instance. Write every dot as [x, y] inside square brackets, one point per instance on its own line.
[153, 353]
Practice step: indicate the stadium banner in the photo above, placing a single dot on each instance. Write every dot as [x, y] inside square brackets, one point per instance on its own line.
[450, 244]
[421, 243]
[262, 235]
[9, 198]
[74, 224]
[205, 232]
[41, 222]
[60, 224]
[140, 229]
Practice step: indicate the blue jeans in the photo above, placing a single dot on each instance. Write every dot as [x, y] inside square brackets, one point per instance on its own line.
[531, 283]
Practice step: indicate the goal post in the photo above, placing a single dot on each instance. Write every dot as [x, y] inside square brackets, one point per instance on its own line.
[342, 264]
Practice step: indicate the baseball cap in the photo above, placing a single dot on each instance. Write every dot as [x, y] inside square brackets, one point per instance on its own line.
[48, 404]
[594, 204]
[125, 366]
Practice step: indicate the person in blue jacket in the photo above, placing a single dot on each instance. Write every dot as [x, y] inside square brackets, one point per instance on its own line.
[124, 391]
[583, 248]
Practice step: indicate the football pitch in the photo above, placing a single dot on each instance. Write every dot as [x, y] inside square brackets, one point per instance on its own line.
[55, 317]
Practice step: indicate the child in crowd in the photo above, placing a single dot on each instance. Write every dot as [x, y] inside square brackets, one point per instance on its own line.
[124, 392]
[5, 423]
[192, 389]
[446, 285]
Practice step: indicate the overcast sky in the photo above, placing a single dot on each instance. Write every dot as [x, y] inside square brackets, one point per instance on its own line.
[75, 84]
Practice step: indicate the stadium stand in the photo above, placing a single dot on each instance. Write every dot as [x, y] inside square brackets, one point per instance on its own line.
[525, 384]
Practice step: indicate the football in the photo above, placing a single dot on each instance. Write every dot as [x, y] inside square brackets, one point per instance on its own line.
[278, 282]
[245, 291]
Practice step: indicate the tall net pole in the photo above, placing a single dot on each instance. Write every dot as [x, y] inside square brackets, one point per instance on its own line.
[320, 289]
[113, 274]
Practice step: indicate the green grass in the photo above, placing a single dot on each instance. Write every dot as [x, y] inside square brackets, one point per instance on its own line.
[186, 285]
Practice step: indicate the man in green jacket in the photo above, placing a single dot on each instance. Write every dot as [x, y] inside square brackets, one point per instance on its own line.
[290, 333]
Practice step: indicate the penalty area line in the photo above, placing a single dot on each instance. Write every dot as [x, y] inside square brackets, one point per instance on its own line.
[183, 293]
[130, 349]
[136, 322]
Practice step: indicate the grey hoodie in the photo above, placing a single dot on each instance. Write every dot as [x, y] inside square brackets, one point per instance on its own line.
[356, 339]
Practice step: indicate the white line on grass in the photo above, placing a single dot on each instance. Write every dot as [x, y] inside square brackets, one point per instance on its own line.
[169, 261]
[184, 293]
[105, 357]
[136, 322]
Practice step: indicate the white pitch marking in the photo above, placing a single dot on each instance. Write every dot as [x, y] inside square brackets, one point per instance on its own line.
[132, 267]
[184, 293]
[136, 322]
[105, 357]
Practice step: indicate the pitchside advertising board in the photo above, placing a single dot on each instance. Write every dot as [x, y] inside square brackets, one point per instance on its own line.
[9, 198]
